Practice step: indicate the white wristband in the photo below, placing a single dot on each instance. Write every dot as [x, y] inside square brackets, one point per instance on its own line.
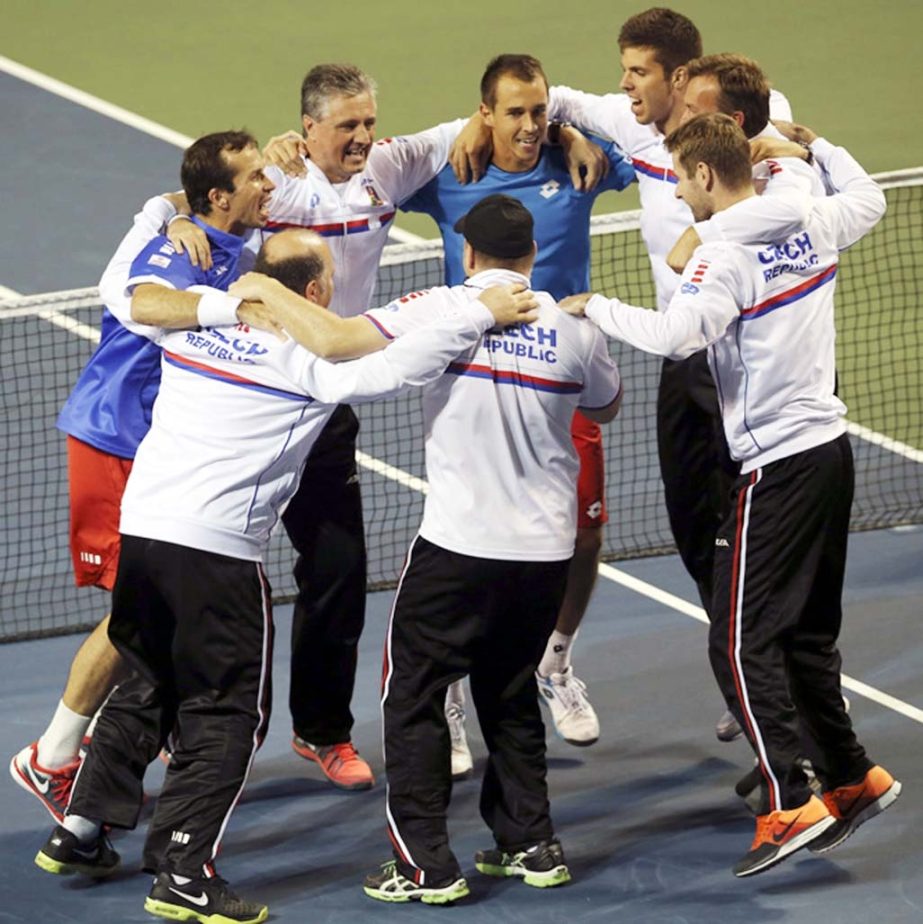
[217, 309]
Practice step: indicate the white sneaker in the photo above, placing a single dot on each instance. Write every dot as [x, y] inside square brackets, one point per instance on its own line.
[462, 763]
[573, 715]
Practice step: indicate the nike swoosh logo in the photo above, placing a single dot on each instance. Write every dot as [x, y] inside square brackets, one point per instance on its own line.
[200, 900]
[40, 784]
[779, 836]
[86, 854]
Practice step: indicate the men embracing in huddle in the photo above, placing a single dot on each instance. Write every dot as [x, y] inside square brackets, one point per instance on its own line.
[476, 598]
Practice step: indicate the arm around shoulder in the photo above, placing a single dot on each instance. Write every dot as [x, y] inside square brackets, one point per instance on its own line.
[317, 329]
[161, 306]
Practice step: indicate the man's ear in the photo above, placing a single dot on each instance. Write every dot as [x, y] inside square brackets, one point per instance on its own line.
[486, 114]
[705, 175]
[307, 123]
[679, 78]
[468, 257]
[219, 198]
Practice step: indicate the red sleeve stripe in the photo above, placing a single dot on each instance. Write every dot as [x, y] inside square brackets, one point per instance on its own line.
[331, 229]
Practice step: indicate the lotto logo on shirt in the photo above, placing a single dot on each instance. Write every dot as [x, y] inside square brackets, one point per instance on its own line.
[549, 189]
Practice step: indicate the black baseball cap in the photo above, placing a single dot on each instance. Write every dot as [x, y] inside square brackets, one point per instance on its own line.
[499, 226]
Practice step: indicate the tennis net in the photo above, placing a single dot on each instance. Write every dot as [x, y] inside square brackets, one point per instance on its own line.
[46, 339]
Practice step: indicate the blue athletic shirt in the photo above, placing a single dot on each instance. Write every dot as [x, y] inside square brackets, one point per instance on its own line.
[561, 214]
[110, 406]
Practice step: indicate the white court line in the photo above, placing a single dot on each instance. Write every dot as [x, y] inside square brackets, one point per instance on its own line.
[132, 119]
[389, 471]
[69, 324]
[404, 237]
[697, 613]
[59, 319]
[879, 439]
[88, 101]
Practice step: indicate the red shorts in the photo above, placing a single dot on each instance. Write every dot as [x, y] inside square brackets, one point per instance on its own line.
[591, 481]
[97, 482]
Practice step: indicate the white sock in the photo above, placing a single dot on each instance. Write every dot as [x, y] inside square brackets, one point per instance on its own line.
[556, 658]
[61, 741]
[86, 830]
[455, 694]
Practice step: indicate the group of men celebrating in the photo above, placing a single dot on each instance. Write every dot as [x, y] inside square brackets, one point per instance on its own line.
[173, 500]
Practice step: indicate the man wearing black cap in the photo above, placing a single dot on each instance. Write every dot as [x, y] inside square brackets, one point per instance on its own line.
[484, 578]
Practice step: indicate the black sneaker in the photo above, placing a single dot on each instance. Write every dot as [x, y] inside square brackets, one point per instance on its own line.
[63, 854]
[541, 865]
[388, 885]
[210, 901]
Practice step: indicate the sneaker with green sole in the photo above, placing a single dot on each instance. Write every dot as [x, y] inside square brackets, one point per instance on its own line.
[542, 865]
[209, 901]
[63, 855]
[390, 885]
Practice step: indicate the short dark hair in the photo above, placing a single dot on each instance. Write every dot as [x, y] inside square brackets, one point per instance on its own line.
[293, 272]
[205, 166]
[325, 81]
[522, 67]
[742, 86]
[717, 140]
[673, 37]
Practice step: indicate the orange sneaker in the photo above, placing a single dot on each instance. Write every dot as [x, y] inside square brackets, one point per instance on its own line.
[781, 833]
[852, 805]
[341, 763]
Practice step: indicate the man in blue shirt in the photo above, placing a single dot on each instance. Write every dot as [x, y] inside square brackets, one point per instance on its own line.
[514, 104]
[109, 412]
